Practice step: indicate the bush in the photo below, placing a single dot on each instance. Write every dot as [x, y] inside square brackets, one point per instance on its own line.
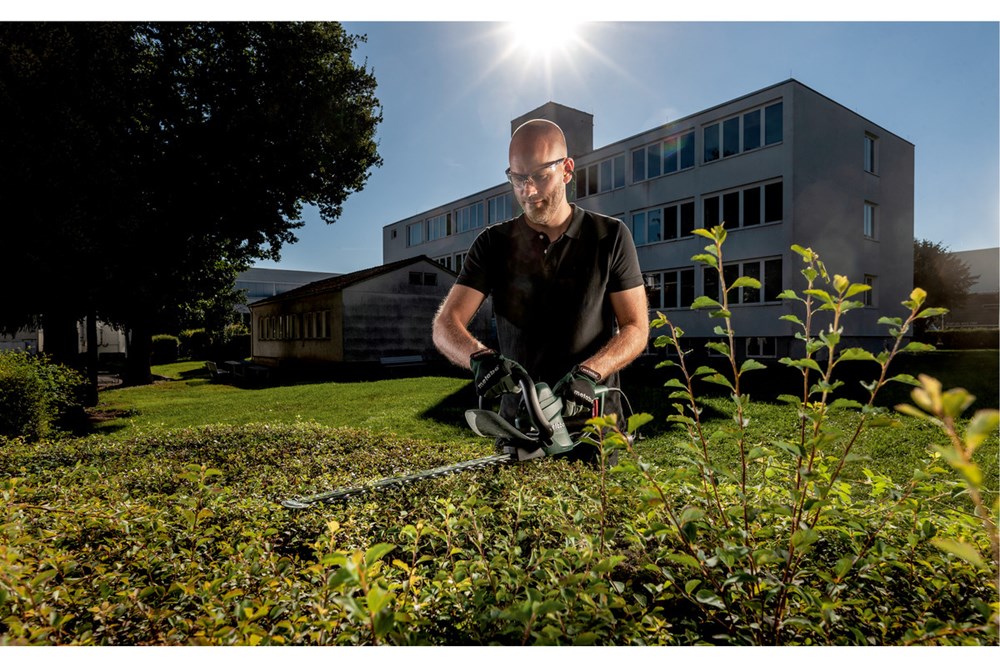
[35, 394]
[194, 344]
[964, 339]
[165, 349]
[758, 533]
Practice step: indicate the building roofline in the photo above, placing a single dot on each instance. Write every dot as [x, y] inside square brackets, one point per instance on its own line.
[341, 282]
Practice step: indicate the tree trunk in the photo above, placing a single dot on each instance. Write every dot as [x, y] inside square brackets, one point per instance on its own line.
[137, 360]
[60, 338]
[92, 360]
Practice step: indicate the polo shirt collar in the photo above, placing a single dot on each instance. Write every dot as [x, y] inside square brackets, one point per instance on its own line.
[572, 231]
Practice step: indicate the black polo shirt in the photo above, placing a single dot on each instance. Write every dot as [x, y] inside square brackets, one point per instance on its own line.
[551, 299]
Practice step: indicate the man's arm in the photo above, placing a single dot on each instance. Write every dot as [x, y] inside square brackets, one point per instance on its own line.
[450, 329]
[632, 313]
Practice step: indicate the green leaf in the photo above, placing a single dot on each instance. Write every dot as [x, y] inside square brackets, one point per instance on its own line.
[931, 312]
[720, 379]
[691, 514]
[822, 295]
[377, 552]
[804, 537]
[856, 354]
[856, 288]
[792, 318]
[918, 347]
[905, 379]
[963, 550]
[789, 294]
[891, 321]
[637, 420]
[981, 426]
[745, 281]
[845, 403]
[377, 598]
[703, 232]
[705, 302]
[752, 365]
[674, 382]
[707, 597]
[806, 253]
[691, 585]
[721, 348]
[706, 259]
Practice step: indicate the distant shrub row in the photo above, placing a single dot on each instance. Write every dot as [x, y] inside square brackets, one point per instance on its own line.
[233, 342]
[964, 339]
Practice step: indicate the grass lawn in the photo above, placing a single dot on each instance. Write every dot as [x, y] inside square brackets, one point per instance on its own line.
[431, 409]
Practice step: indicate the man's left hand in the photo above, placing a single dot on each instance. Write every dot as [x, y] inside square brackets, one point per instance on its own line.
[578, 390]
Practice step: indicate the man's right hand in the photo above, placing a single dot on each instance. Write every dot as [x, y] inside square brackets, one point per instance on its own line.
[491, 373]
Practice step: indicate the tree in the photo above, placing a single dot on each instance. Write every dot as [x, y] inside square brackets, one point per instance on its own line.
[944, 276]
[219, 134]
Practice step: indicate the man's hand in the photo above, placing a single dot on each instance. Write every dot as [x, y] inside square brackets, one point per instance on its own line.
[491, 373]
[578, 390]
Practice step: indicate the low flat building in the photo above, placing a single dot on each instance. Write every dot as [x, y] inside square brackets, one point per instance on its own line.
[379, 316]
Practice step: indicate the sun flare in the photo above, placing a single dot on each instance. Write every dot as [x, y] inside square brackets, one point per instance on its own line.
[540, 40]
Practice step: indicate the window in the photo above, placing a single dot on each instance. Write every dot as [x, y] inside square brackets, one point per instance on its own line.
[744, 207]
[743, 132]
[437, 226]
[870, 220]
[761, 346]
[459, 262]
[773, 124]
[871, 153]
[670, 289]
[499, 208]
[663, 223]
[868, 298]
[422, 278]
[469, 217]
[604, 176]
[672, 154]
[444, 261]
[767, 271]
[414, 234]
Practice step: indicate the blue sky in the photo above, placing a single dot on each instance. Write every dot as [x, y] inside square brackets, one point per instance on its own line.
[450, 89]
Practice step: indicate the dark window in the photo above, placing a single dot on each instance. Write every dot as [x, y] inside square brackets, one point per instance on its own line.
[687, 150]
[670, 291]
[416, 278]
[687, 218]
[772, 279]
[687, 288]
[606, 176]
[731, 137]
[592, 179]
[581, 183]
[670, 222]
[751, 294]
[772, 124]
[670, 155]
[654, 225]
[711, 143]
[654, 162]
[711, 212]
[654, 289]
[431, 279]
[773, 202]
[751, 206]
[751, 130]
[710, 283]
[731, 272]
[619, 171]
[638, 165]
[731, 209]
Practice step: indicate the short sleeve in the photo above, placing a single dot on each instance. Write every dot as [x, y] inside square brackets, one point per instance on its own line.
[625, 272]
[475, 271]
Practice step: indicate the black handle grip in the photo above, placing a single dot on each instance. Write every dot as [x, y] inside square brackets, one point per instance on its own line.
[530, 395]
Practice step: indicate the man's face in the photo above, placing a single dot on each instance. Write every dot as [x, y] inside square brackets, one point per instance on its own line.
[539, 183]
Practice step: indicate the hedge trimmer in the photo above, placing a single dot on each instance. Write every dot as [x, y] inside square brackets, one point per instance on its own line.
[538, 431]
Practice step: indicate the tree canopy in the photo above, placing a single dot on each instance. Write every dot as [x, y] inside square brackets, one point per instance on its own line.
[944, 276]
[147, 164]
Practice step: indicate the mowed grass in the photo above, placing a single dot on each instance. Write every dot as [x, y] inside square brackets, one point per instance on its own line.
[428, 408]
[431, 409]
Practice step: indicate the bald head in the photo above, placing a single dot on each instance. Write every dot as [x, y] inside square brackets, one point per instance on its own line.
[537, 138]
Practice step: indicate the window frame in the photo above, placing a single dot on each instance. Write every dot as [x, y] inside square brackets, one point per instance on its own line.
[650, 160]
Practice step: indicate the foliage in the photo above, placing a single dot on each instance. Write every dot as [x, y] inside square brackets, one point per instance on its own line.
[194, 343]
[754, 533]
[35, 394]
[945, 278]
[166, 348]
[176, 153]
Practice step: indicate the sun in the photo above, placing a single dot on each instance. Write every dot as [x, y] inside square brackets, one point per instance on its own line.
[539, 40]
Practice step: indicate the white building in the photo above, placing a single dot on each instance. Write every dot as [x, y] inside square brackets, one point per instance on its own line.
[780, 166]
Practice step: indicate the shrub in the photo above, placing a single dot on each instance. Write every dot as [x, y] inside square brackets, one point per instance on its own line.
[758, 533]
[165, 349]
[35, 394]
[194, 344]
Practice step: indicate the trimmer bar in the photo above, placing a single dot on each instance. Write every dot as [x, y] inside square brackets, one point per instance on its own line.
[539, 431]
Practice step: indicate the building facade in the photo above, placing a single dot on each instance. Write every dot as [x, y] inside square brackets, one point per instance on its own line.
[378, 316]
[781, 166]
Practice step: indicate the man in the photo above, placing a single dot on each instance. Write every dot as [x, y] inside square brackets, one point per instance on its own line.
[568, 294]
